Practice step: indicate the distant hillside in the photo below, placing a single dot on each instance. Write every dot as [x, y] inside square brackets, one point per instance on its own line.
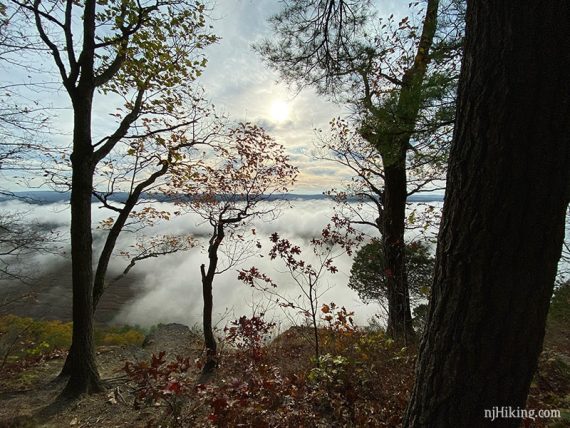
[51, 197]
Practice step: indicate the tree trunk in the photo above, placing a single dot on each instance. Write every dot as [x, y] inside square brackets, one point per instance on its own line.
[399, 314]
[81, 367]
[503, 219]
[207, 282]
[209, 339]
[118, 226]
[314, 320]
[393, 150]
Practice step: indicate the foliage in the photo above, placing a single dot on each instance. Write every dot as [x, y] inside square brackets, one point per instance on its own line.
[159, 382]
[252, 389]
[368, 273]
[420, 314]
[118, 336]
[364, 379]
[229, 187]
[243, 170]
[23, 338]
[339, 328]
[248, 334]
[343, 390]
[399, 77]
[338, 319]
[146, 54]
[398, 68]
[361, 198]
[228, 190]
[314, 38]
[337, 238]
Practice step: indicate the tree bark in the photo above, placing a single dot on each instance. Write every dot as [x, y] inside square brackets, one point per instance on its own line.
[508, 188]
[81, 367]
[207, 285]
[394, 214]
[393, 154]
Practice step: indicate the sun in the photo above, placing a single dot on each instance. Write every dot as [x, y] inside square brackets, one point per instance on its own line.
[279, 111]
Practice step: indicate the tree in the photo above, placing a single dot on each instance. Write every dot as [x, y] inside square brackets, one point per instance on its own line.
[369, 280]
[361, 200]
[143, 164]
[228, 192]
[307, 272]
[395, 94]
[148, 163]
[503, 218]
[141, 52]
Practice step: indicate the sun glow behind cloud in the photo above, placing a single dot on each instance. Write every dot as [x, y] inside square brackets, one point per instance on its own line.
[279, 111]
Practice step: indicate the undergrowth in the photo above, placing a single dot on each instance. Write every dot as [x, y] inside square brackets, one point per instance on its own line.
[361, 379]
[24, 341]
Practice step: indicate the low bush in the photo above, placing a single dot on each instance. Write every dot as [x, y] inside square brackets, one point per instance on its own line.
[27, 338]
[362, 379]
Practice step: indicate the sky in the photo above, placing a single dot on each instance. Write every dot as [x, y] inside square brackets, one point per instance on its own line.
[236, 81]
[240, 84]
[243, 87]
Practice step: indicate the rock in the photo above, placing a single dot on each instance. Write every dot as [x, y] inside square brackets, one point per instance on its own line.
[175, 339]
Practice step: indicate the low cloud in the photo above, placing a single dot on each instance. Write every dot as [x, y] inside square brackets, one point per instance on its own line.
[168, 288]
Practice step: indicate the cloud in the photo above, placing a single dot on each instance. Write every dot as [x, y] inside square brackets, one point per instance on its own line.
[168, 289]
[240, 85]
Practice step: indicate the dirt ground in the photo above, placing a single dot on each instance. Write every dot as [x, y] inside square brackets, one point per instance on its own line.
[27, 398]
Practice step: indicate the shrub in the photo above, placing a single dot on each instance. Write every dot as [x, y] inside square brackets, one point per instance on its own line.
[26, 338]
[249, 334]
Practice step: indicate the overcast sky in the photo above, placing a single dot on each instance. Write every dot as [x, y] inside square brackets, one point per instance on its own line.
[235, 80]
[241, 85]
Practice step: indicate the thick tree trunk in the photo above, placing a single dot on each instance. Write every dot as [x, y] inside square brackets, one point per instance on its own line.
[108, 248]
[399, 314]
[81, 367]
[503, 221]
